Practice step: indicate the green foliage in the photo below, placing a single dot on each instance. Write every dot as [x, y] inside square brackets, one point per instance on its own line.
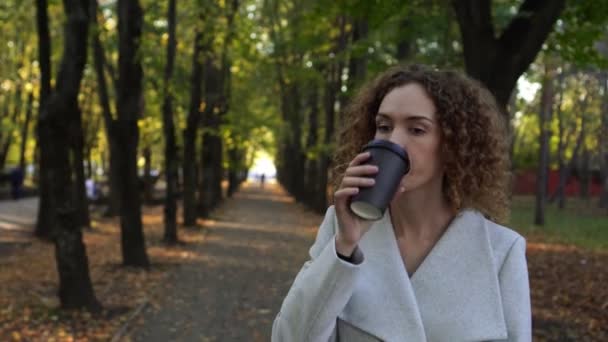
[581, 26]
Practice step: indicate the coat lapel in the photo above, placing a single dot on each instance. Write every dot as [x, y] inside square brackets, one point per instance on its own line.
[457, 285]
[453, 295]
[383, 303]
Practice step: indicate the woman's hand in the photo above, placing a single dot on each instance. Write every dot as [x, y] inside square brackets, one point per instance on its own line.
[351, 227]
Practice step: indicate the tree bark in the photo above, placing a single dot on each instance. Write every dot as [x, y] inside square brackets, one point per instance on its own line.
[109, 122]
[6, 144]
[603, 142]
[358, 61]
[192, 122]
[584, 174]
[129, 93]
[148, 182]
[77, 137]
[44, 217]
[311, 176]
[211, 144]
[561, 144]
[75, 289]
[171, 162]
[546, 109]
[499, 61]
[236, 156]
[566, 170]
[217, 95]
[26, 130]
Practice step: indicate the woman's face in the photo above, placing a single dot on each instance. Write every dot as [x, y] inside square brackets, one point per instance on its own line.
[407, 116]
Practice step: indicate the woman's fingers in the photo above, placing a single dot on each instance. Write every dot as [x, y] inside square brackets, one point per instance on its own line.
[361, 170]
[350, 182]
[359, 159]
[341, 197]
[346, 192]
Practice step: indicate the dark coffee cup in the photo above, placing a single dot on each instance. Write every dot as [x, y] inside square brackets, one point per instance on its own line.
[393, 163]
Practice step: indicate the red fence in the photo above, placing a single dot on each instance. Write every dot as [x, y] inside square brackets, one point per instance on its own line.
[525, 183]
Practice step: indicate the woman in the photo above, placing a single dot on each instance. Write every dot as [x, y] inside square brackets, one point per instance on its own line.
[437, 266]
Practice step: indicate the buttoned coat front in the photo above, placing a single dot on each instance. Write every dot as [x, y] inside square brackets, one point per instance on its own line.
[472, 286]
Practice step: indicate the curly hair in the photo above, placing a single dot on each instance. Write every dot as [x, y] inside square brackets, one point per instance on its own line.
[473, 135]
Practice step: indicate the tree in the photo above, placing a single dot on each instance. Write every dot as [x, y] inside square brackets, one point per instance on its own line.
[498, 62]
[43, 223]
[546, 109]
[75, 288]
[192, 122]
[604, 142]
[129, 106]
[100, 64]
[216, 94]
[171, 162]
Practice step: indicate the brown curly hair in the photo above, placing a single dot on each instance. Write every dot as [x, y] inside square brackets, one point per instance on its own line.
[473, 135]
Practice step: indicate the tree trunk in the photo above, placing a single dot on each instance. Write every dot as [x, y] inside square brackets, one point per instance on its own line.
[566, 170]
[358, 60]
[171, 162]
[44, 217]
[584, 174]
[77, 137]
[16, 118]
[211, 172]
[294, 147]
[75, 289]
[26, 129]
[236, 158]
[404, 46]
[211, 144]
[546, 108]
[129, 94]
[6, 144]
[329, 100]
[189, 159]
[603, 142]
[560, 153]
[499, 61]
[148, 183]
[217, 94]
[109, 123]
[311, 176]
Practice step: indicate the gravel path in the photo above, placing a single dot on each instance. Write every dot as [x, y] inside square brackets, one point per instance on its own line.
[255, 244]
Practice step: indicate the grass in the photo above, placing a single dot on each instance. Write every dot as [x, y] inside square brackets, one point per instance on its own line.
[581, 223]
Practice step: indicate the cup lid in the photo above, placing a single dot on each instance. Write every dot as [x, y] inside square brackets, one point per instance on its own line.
[389, 145]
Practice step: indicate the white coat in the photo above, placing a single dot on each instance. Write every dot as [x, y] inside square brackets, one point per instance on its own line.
[472, 286]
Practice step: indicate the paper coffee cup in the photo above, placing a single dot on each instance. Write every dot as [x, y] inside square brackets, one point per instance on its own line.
[393, 163]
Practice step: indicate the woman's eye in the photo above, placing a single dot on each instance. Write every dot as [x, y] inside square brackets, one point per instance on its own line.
[417, 131]
[383, 128]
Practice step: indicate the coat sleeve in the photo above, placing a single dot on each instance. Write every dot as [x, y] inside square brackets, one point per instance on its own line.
[514, 281]
[319, 292]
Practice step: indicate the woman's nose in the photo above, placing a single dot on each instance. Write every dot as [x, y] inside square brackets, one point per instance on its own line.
[399, 138]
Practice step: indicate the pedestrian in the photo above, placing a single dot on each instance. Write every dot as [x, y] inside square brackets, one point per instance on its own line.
[262, 180]
[438, 266]
[16, 177]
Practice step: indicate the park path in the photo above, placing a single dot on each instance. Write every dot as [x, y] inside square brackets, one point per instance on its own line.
[255, 244]
[17, 220]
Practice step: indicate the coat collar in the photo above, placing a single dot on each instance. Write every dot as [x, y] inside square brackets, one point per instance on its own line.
[453, 295]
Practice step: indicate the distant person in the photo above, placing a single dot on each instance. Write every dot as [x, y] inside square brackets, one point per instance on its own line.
[439, 265]
[92, 189]
[262, 180]
[16, 176]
